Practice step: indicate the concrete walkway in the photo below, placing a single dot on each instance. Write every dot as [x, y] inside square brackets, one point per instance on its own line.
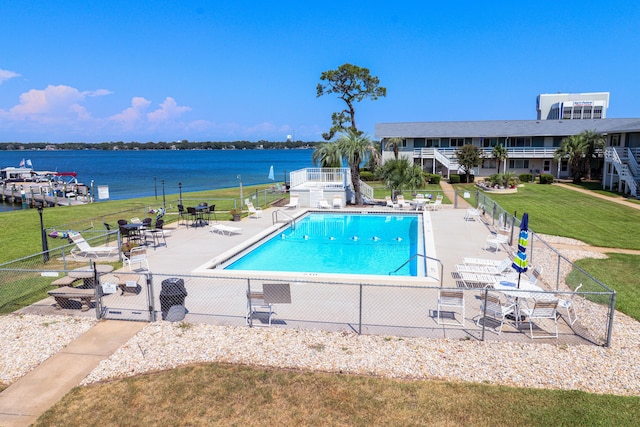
[25, 400]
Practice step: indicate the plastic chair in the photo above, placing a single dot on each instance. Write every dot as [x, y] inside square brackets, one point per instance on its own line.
[568, 305]
[492, 306]
[451, 298]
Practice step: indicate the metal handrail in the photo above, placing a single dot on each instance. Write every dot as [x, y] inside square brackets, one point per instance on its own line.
[425, 257]
[291, 220]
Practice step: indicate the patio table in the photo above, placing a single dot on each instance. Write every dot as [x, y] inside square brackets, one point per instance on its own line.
[526, 291]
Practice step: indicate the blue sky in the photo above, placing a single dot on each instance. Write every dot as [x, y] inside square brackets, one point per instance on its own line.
[143, 71]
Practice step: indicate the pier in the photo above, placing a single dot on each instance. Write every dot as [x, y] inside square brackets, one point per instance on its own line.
[32, 194]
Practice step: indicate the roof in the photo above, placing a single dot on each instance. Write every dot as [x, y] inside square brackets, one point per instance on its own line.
[503, 128]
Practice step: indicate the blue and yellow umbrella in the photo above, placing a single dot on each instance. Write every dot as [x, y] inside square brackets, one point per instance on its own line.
[520, 261]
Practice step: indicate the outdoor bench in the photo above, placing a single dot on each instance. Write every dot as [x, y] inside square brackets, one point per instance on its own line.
[66, 293]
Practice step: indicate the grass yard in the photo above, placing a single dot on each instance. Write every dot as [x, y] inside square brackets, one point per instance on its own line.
[563, 212]
[218, 394]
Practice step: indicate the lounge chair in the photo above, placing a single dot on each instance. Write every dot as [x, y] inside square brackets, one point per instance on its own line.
[324, 204]
[504, 266]
[495, 241]
[83, 247]
[401, 202]
[481, 261]
[253, 211]
[390, 203]
[138, 255]
[337, 202]
[227, 230]
[436, 205]
[293, 202]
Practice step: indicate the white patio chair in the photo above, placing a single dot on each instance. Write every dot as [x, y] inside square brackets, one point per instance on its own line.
[569, 307]
[337, 202]
[138, 255]
[495, 241]
[253, 211]
[293, 202]
[324, 204]
[450, 298]
[402, 203]
[493, 306]
[541, 310]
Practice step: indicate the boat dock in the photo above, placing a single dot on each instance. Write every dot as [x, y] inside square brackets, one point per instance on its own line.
[32, 194]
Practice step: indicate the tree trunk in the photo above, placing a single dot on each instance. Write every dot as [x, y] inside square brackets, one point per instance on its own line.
[355, 181]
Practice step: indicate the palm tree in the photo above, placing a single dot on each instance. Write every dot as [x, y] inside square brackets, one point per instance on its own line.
[357, 148]
[500, 153]
[593, 142]
[574, 148]
[401, 175]
[327, 155]
[394, 144]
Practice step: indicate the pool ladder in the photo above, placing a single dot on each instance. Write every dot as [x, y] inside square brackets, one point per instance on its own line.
[391, 273]
[291, 220]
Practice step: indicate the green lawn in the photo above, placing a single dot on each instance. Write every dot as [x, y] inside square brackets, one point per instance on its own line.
[563, 212]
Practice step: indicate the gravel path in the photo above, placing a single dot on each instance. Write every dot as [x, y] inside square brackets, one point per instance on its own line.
[28, 340]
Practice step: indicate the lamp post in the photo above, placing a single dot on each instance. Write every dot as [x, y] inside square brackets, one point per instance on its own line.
[155, 187]
[164, 201]
[43, 236]
[180, 188]
[240, 179]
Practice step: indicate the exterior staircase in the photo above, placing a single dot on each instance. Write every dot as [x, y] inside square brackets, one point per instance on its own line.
[624, 162]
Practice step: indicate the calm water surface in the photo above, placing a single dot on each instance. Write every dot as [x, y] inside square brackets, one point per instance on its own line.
[131, 174]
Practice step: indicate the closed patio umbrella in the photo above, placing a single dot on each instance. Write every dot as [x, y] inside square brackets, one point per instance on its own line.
[520, 261]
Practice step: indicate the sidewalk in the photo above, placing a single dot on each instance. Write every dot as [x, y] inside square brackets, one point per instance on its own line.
[25, 400]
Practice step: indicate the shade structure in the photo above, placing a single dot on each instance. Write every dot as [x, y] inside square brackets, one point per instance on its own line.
[271, 175]
[520, 261]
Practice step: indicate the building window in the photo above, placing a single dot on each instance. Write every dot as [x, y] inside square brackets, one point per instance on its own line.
[586, 113]
[489, 164]
[597, 112]
[433, 142]
[418, 142]
[615, 140]
[566, 113]
[546, 166]
[521, 141]
[564, 165]
[577, 112]
[457, 142]
[519, 164]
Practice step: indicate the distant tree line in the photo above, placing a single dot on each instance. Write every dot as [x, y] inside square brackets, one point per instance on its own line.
[176, 145]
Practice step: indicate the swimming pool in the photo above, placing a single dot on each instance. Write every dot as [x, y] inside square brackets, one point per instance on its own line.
[361, 243]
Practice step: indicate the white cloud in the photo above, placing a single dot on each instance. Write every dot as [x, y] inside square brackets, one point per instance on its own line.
[132, 116]
[168, 110]
[54, 104]
[6, 75]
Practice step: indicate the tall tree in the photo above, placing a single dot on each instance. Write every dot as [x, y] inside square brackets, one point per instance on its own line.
[469, 156]
[500, 153]
[574, 149]
[357, 148]
[352, 84]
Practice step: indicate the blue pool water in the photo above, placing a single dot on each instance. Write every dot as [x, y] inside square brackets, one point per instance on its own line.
[347, 244]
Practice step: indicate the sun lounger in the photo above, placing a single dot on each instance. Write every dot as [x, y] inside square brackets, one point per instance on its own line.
[83, 248]
[225, 229]
[481, 261]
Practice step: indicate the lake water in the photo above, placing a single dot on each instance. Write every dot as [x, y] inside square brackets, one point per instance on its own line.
[131, 174]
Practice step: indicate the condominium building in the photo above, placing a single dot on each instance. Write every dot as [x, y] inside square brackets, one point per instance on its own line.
[530, 144]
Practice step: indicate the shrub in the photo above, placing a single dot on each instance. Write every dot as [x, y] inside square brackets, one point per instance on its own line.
[546, 178]
[433, 178]
[454, 178]
[463, 178]
[525, 177]
[367, 176]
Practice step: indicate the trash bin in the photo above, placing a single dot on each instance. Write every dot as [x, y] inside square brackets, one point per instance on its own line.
[172, 293]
